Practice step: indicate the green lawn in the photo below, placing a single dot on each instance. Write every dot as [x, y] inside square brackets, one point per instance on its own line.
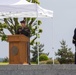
[4, 63]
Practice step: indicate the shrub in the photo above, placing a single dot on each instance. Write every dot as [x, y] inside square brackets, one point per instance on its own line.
[49, 62]
[42, 62]
[43, 57]
[56, 61]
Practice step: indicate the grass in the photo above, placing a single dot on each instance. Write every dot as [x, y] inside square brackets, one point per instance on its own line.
[4, 63]
[33, 63]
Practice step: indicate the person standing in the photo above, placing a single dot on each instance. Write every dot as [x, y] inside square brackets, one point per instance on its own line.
[74, 37]
[74, 42]
[25, 31]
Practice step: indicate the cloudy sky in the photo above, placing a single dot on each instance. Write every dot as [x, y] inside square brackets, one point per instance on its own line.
[54, 30]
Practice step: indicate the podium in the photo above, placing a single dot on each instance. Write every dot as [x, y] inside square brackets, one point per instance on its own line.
[18, 49]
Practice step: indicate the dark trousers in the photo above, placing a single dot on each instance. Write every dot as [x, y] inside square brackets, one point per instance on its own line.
[28, 52]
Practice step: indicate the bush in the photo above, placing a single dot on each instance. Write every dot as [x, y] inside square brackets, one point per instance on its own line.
[42, 62]
[33, 63]
[51, 62]
[56, 61]
[43, 57]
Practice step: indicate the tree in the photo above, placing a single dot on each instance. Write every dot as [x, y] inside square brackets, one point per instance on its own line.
[12, 24]
[5, 59]
[34, 1]
[65, 55]
[35, 51]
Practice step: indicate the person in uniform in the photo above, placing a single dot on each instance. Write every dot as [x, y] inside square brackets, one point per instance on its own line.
[74, 37]
[23, 29]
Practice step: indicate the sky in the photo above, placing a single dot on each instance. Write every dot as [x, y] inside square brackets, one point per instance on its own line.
[61, 27]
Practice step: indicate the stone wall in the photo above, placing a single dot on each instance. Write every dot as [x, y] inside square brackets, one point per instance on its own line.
[38, 69]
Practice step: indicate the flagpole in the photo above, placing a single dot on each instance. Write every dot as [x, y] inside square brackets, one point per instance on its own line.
[53, 41]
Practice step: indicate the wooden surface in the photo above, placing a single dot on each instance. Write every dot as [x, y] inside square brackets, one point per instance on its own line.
[19, 55]
[18, 38]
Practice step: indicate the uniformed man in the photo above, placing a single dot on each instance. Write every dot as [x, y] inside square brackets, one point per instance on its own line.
[74, 42]
[23, 29]
[74, 37]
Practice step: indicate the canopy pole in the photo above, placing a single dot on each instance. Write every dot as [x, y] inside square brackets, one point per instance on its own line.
[37, 33]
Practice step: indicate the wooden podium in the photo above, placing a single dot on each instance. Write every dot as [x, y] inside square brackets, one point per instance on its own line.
[18, 49]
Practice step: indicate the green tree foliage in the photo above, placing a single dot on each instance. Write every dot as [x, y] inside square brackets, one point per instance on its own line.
[35, 51]
[34, 1]
[65, 55]
[43, 57]
[5, 59]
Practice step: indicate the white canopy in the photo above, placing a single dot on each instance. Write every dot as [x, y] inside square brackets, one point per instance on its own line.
[24, 9]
